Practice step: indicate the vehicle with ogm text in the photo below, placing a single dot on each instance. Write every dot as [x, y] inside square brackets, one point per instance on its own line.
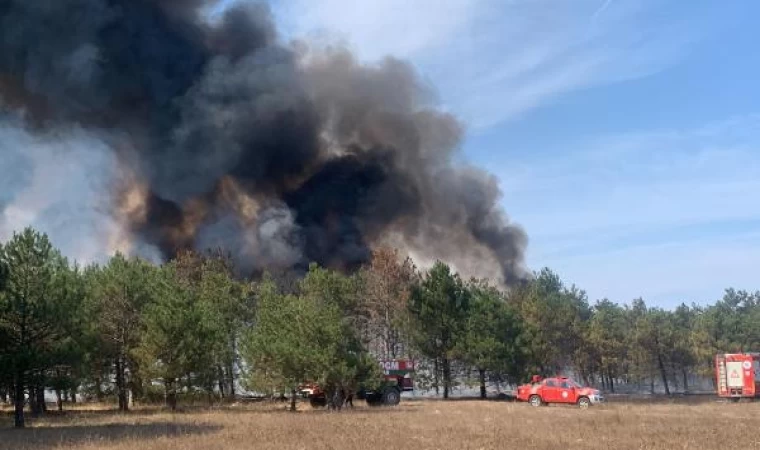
[561, 390]
[397, 378]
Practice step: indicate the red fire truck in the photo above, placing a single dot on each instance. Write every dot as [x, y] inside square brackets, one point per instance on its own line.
[738, 375]
[397, 374]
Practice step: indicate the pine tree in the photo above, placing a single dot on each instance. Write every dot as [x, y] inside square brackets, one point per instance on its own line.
[118, 293]
[492, 338]
[293, 341]
[36, 306]
[179, 334]
[438, 309]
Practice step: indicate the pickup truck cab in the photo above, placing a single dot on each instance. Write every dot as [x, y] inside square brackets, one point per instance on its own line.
[558, 390]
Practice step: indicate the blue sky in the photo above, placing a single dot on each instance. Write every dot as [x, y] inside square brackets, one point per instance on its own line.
[625, 133]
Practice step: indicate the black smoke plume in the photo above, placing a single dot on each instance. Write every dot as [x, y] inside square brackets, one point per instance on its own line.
[226, 136]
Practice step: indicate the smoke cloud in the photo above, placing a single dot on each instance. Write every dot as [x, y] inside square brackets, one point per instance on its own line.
[141, 125]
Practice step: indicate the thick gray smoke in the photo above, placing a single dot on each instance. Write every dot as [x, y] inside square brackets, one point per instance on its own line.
[199, 134]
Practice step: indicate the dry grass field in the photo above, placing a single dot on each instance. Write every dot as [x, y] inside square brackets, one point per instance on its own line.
[412, 425]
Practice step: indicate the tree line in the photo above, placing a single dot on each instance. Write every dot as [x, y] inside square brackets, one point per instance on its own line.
[192, 330]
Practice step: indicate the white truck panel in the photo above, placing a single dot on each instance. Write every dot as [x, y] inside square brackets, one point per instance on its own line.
[734, 374]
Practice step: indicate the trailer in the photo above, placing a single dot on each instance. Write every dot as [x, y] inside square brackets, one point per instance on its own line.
[738, 375]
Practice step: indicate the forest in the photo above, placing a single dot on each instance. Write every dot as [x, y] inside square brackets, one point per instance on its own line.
[193, 330]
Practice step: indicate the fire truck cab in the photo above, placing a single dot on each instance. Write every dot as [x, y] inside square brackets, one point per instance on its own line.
[738, 375]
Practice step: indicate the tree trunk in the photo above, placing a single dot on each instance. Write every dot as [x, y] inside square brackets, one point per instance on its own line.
[446, 377]
[33, 405]
[18, 400]
[99, 389]
[293, 399]
[120, 385]
[171, 394]
[59, 399]
[135, 385]
[73, 395]
[663, 373]
[436, 370]
[674, 378]
[713, 380]
[685, 381]
[41, 405]
[612, 383]
[231, 376]
[220, 382]
[482, 376]
[34, 401]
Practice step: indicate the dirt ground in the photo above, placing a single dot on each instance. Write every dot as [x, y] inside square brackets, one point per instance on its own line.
[462, 424]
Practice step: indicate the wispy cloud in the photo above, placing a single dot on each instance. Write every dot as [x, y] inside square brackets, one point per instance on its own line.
[667, 274]
[606, 4]
[494, 60]
[376, 28]
[665, 213]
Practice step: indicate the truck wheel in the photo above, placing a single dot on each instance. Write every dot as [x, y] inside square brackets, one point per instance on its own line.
[391, 397]
[374, 399]
[535, 400]
[584, 402]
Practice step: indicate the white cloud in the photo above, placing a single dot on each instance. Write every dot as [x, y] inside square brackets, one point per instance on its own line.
[376, 28]
[649, 179]
[495, 59]
[663, 214]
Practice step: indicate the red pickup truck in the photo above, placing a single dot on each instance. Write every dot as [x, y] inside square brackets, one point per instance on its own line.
[558, 390]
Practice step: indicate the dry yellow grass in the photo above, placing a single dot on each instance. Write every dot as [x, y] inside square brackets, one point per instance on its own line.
[413, 425]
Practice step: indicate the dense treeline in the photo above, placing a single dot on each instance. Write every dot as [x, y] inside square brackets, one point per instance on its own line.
[190, 330]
